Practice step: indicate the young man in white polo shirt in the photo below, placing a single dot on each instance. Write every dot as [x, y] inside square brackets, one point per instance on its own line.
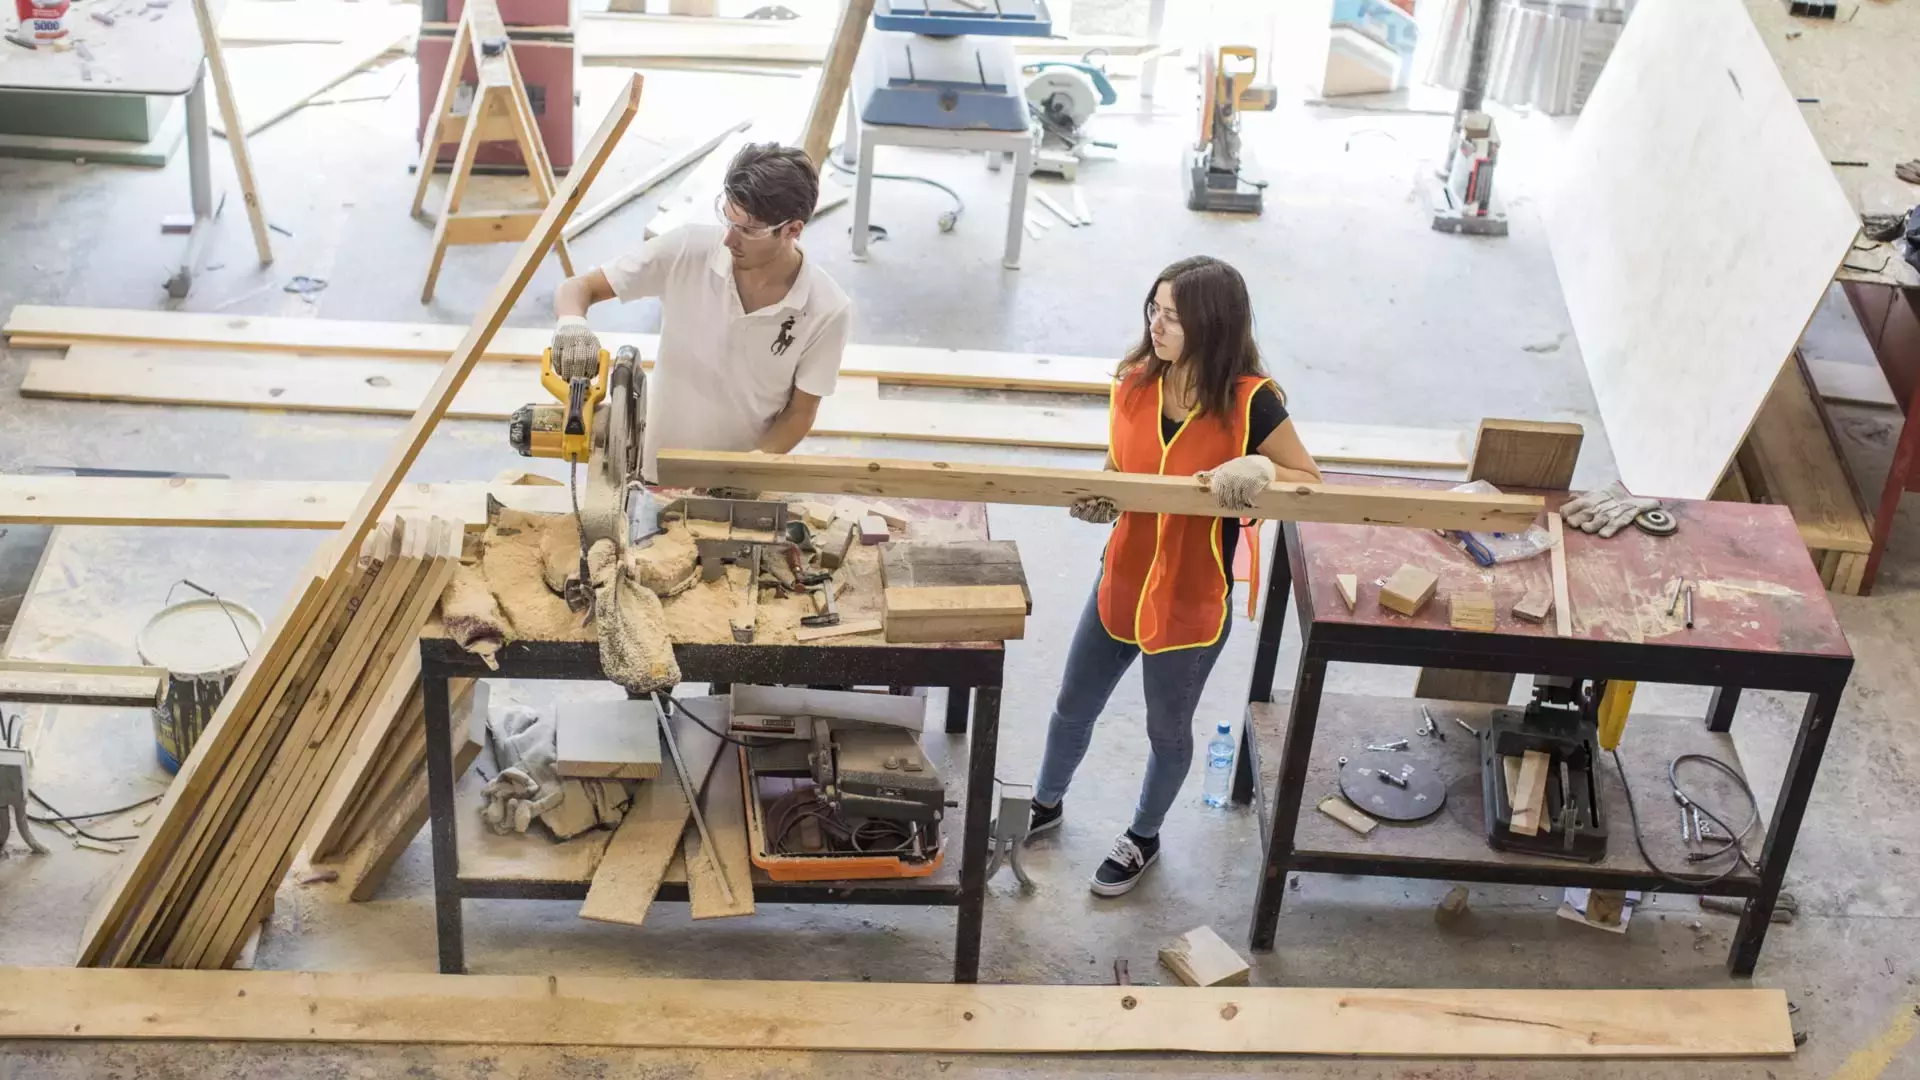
[751, 330]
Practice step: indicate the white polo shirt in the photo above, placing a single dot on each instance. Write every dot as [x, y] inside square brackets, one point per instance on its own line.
[723, 373]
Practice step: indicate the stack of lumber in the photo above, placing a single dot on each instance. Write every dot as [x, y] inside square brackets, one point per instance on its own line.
[379, 801]
[252, 789]
[1789, 459]
[182, 358]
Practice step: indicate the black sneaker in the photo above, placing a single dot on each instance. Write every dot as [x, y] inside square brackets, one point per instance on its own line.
[1045, 818]
[1129, 859]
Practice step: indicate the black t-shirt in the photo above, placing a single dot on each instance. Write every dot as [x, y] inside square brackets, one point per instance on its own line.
[1266, 415]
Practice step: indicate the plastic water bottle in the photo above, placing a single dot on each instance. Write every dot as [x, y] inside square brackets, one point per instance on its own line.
[1219, 767]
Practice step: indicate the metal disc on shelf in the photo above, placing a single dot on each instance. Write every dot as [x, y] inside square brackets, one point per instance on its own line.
[1423, 796]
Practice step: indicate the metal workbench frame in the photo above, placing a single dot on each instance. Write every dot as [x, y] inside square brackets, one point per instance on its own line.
[962, 668]
[1823, 678]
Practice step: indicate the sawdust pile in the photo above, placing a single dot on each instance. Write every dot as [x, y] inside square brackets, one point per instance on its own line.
[513, 559]
[524, 557]
[559, 552]
[668, 565]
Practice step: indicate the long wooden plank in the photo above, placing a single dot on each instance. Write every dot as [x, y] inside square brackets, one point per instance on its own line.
[1557, 561]
[1061, 487]
[394, 386]
[49, 325]
[830, 95]
[1695, 229]
[245, 504]
[567, 1010]
[367, 865]
[50, 682]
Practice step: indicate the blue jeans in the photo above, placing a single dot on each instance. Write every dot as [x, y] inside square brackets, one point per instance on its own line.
[1173, 681]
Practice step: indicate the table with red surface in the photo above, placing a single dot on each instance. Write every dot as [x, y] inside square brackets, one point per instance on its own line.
[1761, 621]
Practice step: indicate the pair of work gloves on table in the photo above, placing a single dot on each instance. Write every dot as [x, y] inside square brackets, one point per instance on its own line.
[1235, 486]
[529, 781]
[1607, 510]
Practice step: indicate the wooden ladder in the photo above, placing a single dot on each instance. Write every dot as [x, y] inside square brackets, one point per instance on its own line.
[499, 112]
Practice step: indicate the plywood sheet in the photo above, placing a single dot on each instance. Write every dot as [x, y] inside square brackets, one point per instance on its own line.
[1695, 227]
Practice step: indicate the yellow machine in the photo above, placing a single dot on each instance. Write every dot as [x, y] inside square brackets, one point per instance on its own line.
[563, 430]
[598, 419]
[1214, 164]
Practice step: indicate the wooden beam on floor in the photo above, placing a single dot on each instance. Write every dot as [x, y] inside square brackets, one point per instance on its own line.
[568, 1010]
[393, 386]
[246, 504]
[43, 326]
[50, 682]
[800, 474]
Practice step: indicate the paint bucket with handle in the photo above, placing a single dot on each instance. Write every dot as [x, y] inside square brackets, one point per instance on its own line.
[203, 644]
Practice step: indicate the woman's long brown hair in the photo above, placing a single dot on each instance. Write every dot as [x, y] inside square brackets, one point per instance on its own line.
[1217, 318]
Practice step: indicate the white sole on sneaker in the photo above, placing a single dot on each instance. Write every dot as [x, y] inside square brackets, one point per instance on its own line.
[1100, 888]
[1038, 830]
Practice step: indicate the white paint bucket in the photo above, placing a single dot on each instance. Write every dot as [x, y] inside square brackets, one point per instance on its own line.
[203, 644]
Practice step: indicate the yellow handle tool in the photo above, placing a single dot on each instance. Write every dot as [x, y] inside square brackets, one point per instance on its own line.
[1614, 704]
[580, 394]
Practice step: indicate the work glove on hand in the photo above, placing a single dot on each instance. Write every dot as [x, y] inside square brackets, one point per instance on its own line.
[1606, 511]
[1238, 483]
[1095, 509]
[529, 781]
[576, 351]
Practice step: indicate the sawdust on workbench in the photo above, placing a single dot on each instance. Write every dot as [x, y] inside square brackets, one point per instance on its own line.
[514, 559]
[667, 565]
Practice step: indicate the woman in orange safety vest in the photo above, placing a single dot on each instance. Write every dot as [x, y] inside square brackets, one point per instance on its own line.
[1191, 399]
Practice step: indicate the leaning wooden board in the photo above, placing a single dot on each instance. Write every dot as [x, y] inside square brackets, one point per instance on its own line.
[1062, 487]
[393, 386]
[570, 1010]
[1695, 228]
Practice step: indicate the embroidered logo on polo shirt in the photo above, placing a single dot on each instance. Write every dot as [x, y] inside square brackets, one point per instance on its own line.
[785, 340]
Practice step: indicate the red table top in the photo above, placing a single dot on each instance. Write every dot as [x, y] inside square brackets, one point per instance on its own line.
[1755, 587]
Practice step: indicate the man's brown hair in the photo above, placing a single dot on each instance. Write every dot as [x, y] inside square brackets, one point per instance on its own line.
[775, 184]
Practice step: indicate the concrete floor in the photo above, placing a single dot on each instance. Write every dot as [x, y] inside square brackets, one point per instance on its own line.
[1366, 315]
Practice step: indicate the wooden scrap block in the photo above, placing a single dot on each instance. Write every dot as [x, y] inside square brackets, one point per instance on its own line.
[1200, 958]
[892, 516]
[1471, 611]
[817, 515]
[1527, 794]
[834, 542]
[1535, 606]
[954, 613]
[956, 562]
[1349, 586]
[1346, 814]
[1409, 589]
[842, 629]
[607, 740]
[873, 529]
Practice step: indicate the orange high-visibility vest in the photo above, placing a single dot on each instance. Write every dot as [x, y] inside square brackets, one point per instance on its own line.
[1163, 583]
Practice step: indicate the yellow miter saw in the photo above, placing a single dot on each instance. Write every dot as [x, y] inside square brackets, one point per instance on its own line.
[599, 419]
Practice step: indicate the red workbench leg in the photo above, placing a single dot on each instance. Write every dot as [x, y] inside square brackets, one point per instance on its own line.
[1898, 475]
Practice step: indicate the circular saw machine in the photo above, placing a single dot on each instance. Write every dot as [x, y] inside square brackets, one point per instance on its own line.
[598, 419]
